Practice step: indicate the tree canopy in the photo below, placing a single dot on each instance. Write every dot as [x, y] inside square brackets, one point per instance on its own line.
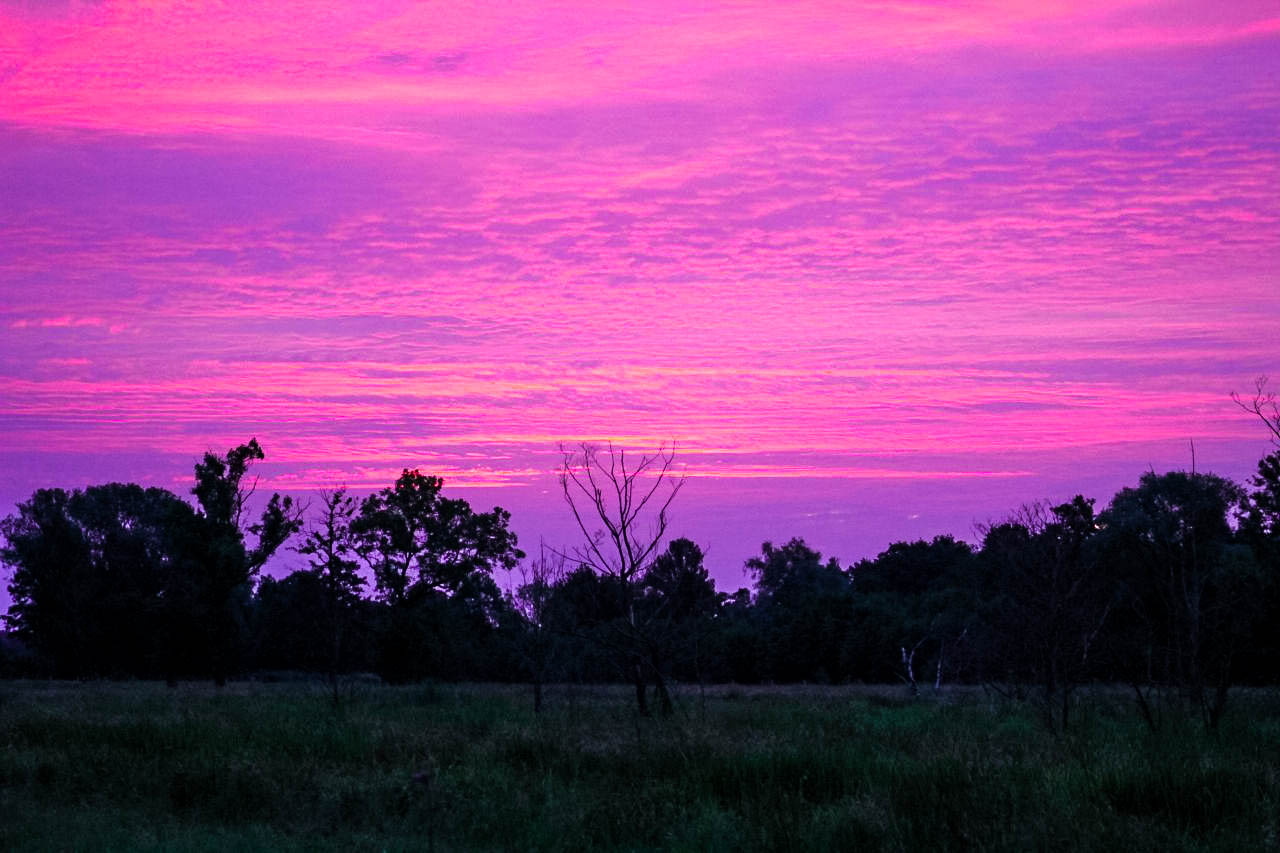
[1173, 587]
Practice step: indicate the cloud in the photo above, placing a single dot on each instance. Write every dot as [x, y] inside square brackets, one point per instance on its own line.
[812, 244]
[61, 321]
[283, 68]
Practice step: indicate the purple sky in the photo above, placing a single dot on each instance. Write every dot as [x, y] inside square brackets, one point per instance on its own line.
[881, 270]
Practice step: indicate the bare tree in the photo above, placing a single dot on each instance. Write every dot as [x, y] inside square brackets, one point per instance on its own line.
[1264, 404]
[630, 497]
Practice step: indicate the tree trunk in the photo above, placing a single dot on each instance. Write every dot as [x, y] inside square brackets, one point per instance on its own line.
[664, 698]
[908, 663]
[637, 676]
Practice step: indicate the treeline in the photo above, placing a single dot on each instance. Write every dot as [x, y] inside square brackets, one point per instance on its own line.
[1173, 588]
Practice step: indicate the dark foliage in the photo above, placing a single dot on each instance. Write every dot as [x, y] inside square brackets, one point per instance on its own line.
[412, 536]
[1172, 588]
[804, 610]
[102, 578]
[232, 549]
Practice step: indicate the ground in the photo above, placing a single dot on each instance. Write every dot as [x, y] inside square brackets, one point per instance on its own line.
[137, 766]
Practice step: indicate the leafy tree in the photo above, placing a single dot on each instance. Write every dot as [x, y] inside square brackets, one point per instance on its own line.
[679, 599]
[410, 534]
[432, 558]
[584, 610]
[912, 607]
[230, 562]
[98, 576]
[1191, 586]
[1048, 599]
[805, 607]
[1260, 513]
[55, 583]
[680, 582]
[538, 640]
[290, 628]
[331, 547]
[1260, 528]
[736, 648]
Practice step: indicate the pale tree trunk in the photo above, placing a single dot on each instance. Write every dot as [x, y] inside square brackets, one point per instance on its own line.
[908, 664]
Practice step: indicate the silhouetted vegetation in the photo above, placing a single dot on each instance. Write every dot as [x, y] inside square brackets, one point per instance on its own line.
[1172, 589]
[1012, 668]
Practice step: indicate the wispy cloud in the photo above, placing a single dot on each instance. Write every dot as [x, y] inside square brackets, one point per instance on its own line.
[931, 246]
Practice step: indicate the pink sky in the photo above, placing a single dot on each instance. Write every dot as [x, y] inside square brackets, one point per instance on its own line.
[881, 270]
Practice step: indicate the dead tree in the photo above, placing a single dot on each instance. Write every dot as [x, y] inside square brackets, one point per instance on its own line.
[630, 497]
[1264, 404]
[909, 667]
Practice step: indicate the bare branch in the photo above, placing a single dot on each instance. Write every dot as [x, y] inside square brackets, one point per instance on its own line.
[1264, 405]
[610, 493]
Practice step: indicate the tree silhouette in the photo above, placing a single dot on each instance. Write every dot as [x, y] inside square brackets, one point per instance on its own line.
[1264, 405]
[332, 546]
[805, 607]
[679, 600]
[912, 609]
[1048, 599]
[630, 498]
[230, 564]
[432, 559]
[99, 576]
[1191, 588]
[409, 534]
[533, 601]
[1260, 527]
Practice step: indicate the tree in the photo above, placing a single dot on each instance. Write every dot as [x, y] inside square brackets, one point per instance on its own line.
[1048, 600]
[230, 564]
[1260, 528]
[736, 649]
[533, 601]
[1264, 405]
[912, 607]
[806, 608]
[1260, 516]
[680, 582]
[1191, 588]
[290, 625]
[54, 581]
[331, 546]
[679, 598]
[583, 613]
[631, 499]
[432, 559]
[409, 534]
[98, 576]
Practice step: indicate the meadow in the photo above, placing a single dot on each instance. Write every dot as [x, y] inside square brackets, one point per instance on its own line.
[254, 766]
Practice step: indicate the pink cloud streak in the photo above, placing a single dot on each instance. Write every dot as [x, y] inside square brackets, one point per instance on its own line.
[855, 256]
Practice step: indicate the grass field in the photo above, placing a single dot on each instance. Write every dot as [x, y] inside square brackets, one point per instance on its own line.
[278, 767]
